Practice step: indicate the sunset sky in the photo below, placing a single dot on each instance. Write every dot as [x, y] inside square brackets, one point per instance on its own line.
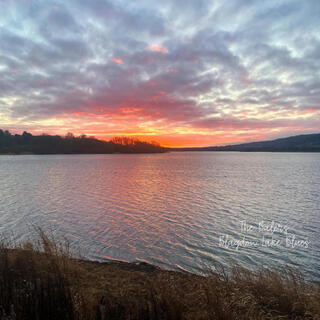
[181, 72]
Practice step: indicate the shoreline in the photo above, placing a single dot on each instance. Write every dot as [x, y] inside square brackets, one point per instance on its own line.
[68, 287]
[149, 153]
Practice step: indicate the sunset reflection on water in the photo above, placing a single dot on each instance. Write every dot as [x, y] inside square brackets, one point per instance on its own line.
[166, 209]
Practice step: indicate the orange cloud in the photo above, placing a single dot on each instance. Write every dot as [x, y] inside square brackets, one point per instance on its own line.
[117, 60]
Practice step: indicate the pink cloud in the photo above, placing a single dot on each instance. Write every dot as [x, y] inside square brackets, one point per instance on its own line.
[171, 70]
[157, 48]
[117, 60]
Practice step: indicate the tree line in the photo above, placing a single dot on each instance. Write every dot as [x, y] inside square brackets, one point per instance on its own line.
[26, 143]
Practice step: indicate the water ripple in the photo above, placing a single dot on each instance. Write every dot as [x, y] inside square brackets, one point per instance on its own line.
[168, 209]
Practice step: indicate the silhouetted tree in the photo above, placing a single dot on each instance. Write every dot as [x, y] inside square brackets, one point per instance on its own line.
[46, 144]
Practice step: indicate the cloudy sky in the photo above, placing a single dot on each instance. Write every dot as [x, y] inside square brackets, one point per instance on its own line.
[182, 72]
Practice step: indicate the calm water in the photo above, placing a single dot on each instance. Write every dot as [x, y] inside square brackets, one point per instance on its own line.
[174, 210]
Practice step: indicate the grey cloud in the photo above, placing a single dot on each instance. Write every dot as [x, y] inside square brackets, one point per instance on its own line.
[59, 23]
[222, 57]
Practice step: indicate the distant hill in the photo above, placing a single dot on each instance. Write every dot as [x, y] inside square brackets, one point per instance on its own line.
[301, 143]
[46, 144]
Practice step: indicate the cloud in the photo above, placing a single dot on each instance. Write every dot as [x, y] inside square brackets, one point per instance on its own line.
[157, 48]
[117, 60]
[170, 70]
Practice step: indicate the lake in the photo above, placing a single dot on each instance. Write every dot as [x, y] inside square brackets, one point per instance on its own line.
[179, 210]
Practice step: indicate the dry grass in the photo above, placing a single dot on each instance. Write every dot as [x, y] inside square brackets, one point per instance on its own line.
[42, 281]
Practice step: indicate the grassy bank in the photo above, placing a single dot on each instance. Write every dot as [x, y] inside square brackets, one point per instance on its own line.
[43, 281]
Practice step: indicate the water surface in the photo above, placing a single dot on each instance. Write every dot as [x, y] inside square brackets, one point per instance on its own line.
[173, 209]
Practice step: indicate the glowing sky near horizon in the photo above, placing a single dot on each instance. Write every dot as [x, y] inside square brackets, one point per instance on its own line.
[184, 73]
